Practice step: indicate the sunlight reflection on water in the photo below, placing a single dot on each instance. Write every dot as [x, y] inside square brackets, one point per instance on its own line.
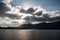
[29, 34]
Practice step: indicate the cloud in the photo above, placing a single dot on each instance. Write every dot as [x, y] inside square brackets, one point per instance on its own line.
[33, 15]
[13, 16]
[28, 10]
[22, 11]
[7, 1]
[5, 7]
[40, 15]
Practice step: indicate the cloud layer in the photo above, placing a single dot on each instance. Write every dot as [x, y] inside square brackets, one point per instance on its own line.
[33, 15]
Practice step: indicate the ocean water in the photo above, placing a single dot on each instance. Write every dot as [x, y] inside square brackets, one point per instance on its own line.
[29, 34]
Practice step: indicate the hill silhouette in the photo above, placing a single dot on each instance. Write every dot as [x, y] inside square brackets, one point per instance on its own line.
[54, 25]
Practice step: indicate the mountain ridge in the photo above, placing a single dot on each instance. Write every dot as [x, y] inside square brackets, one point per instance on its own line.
[54, 25]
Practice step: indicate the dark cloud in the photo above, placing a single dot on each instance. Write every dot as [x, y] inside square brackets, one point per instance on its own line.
[29, 10]
[56, 18]
[4, 8]
[12, 16]
[44, 18]
[38, 13]
[23, 10]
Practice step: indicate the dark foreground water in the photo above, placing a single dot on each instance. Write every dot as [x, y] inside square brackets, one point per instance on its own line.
[7, 34]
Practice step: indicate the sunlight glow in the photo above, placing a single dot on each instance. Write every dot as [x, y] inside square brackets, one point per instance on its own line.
[27, 5]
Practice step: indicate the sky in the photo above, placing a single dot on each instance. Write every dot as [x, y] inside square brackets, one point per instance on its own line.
[19, 12]
[46, 4]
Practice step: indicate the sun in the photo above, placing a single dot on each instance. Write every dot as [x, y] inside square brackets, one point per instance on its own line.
[27, 5]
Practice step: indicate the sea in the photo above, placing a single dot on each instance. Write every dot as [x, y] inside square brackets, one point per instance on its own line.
[29, 34]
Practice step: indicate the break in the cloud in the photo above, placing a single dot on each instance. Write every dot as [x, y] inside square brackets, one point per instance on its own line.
[20, 16]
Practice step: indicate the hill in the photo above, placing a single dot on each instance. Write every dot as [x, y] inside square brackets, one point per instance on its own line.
[54, 25]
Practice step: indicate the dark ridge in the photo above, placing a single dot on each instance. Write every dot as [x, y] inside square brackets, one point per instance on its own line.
[54, 25]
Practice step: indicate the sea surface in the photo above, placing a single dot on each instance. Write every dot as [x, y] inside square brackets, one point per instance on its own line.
[29, 34]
